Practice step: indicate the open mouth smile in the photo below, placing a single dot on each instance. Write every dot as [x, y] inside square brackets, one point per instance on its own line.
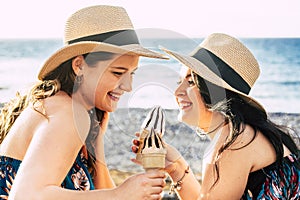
[114, 96]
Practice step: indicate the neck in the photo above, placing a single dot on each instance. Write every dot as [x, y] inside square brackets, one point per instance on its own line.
[78, 98]
[213, 124]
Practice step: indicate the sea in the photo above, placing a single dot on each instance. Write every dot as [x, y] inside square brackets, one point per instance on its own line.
[277, 88]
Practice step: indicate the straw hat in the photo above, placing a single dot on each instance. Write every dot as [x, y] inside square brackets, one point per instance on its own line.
[97, 28]
[225, 62]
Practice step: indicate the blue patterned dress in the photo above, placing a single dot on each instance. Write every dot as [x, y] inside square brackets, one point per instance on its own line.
[78, 177]
[276, 181]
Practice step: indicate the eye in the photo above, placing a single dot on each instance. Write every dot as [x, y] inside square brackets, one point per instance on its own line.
[132, 73]
[190, 81]
[118, 73]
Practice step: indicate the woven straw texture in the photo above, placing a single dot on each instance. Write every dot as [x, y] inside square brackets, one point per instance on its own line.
[233, 53]
[92, 21]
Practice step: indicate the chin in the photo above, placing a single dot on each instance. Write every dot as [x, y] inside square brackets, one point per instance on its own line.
[107, 108]
[111, 109]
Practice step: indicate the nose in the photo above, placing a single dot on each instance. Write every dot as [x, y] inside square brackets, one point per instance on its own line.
[180, 91]
[126, 84]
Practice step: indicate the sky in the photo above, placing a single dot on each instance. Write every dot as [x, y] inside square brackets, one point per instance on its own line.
[192, 18]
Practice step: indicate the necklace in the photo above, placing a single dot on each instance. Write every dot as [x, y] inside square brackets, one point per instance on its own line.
[202, 133]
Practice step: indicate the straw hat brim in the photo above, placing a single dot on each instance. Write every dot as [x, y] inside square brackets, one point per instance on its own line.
[203, 71]
[85, 47]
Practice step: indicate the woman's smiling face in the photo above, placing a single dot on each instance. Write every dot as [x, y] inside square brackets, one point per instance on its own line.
[189, 99]
[108, 85]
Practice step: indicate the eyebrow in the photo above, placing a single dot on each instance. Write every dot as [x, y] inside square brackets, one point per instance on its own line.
[123, 68]
[188, 76]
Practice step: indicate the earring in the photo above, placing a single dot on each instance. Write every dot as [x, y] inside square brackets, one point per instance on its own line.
[79, 79]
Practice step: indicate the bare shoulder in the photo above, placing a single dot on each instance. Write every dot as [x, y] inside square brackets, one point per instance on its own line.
[245, 139]
[254, 148]
[63, 112]
[56, 103]
[233, 166]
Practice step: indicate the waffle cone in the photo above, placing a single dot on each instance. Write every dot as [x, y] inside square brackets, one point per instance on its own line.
[153, 160]
[143, 135]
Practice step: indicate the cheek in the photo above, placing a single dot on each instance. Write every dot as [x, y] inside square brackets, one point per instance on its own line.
[198, 104]
[92, 83]
[194, 96]
[101, 90]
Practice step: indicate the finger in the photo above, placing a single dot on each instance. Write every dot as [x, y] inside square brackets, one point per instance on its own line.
[156, 192]
[134, 149]
[136, 161]
[136, 142]
[159, 182]
[155, 173]
[156, 197]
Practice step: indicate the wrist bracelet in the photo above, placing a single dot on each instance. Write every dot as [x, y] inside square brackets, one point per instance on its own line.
[177, 185]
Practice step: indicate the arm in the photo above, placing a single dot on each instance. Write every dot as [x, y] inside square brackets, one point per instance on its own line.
[175, 166]
[234, 166]
[102, 178]
[233, 174]
[51, 153]
[179, 170]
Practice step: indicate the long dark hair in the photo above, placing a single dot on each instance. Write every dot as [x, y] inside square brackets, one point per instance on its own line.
[240, 112]
[61, 78]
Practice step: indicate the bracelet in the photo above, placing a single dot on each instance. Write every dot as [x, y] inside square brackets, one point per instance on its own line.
[177, 185]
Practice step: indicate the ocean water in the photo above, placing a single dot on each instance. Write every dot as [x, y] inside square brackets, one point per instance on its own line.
[277, 89]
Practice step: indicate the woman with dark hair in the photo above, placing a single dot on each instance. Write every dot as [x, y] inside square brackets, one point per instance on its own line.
[249, 156]
[52, 138]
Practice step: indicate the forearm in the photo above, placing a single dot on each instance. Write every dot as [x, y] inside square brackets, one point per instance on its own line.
[56, 192]
[189, 187]
[103, 178]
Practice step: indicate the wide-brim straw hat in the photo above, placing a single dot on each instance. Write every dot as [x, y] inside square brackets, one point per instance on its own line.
[97, 28]
[224, 61]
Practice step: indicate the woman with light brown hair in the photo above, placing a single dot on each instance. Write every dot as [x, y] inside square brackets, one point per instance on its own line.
[52, 138]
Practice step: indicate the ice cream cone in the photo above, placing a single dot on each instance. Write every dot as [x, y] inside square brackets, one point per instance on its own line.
[153, 151]
[143, 135]
[153, 161]
[155, 120]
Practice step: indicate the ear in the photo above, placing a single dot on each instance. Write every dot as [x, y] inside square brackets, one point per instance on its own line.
[77, 64]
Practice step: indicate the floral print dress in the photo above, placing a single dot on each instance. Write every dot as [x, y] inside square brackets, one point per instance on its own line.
[276, 181]
[78, 177]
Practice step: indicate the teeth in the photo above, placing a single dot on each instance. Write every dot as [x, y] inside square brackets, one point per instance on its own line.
[181, 105]
[115, 95]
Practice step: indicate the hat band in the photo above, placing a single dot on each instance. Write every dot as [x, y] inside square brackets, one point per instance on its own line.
[122, 37]
[221, 69]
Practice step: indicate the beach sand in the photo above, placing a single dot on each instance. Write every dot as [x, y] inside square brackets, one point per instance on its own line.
[125, 122]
